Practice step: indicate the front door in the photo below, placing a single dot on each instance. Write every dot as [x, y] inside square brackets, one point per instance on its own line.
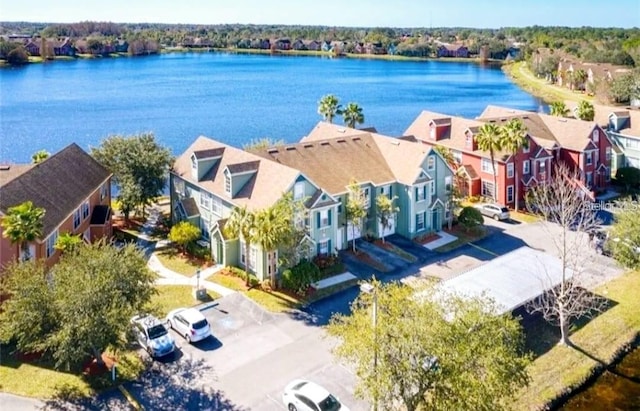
[436, 226]
[340, 238]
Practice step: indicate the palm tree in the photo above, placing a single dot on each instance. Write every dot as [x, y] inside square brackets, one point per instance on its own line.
[514, 137]
[488, 139]
[39, 156]
[23, 224]
[352, 115]
[585, 111]
[242, 224]
[272, 226]
[580, 77]
[329, 107]
[558, 109]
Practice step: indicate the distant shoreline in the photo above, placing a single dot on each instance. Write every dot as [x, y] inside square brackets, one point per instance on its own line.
[297, 53]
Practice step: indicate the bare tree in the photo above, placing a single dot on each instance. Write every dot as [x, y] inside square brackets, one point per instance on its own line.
[568, 219]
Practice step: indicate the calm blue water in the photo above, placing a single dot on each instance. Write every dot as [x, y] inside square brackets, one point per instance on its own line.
[229, 97]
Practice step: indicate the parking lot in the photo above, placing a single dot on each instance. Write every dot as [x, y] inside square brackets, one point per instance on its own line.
[247, 363]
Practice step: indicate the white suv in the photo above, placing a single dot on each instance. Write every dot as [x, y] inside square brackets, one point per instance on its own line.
[303, 395]
[189, 323]
[495, 211]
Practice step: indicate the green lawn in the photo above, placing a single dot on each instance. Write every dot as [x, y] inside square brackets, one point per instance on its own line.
[228, 281]
[524, 217]
[175, 296]
[562, 367]
[40, 380]
[175, 261]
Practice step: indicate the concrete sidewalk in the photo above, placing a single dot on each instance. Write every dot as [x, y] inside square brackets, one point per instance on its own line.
[10, 402]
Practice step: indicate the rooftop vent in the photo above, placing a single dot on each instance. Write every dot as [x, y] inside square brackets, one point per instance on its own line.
[272, 150]
[324, 143]
[308, 146]
[356, 139]
[5, 167]
[395, 143]
[341, 140]
[290, 148]
[341, 130]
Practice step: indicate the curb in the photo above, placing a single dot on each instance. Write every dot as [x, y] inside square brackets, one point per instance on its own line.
[132, 400]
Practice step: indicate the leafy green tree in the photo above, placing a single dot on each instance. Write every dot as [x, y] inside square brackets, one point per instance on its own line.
[329, 107]
[23, 224]
[352, 115]
[40, 156]
[184, 233]
[585, 111]
[18, 56]
[242, 225]
[430, 353]
[88, 301]
[27, 316]
[628, 177]
[579, 78]
[488, 139]
[558, 109]
[356, 208]
[139, 166]
[514, 137]
[447, 155]
[386, 210]
[470, 218]
[625, 235]
[68, 242]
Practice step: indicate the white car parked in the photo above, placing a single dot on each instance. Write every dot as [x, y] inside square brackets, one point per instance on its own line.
[495, 211]
[303, 395]
[189, 323]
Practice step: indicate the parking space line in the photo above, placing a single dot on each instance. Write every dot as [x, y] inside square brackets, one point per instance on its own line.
[280, 406]
[483, 249]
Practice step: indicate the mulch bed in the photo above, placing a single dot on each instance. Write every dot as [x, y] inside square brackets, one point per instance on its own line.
[92, 368]
[28, 357]
[427, 239]
[368, 260]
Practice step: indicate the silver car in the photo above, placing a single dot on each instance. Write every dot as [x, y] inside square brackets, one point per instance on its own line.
[495, 211]
[189, 323]
[152, 335]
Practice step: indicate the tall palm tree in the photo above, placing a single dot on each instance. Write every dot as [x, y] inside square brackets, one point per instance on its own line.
[329, 107]
[514, 137]
[23, 224]
[272, 225]
[352, 115]
[488, 139]
[558, 109]
[242, 224]
[585, 111]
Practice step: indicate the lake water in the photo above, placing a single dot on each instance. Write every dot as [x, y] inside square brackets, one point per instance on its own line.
[230, 97]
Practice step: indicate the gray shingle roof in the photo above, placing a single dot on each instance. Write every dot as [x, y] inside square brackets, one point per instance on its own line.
[59, 184]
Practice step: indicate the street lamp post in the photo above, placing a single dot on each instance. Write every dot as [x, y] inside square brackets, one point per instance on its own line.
[371, 289]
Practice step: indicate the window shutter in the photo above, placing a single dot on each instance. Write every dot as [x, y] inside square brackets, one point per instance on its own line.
[318, 249]
[416, 193]
[390, 192]
[318, 219]
[329, 249]
[329, 216]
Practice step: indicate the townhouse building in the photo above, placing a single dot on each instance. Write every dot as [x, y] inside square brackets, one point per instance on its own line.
[210, 179]
[582, 145]
[72, 188]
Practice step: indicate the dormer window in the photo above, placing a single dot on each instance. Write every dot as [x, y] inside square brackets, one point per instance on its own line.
[469, 140]
[227, 183]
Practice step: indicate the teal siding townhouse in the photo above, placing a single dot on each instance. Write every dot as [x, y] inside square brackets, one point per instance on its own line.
[211, 178]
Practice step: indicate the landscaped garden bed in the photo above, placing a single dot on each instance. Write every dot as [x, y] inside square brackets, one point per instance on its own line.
[396, 250]
[463, 236]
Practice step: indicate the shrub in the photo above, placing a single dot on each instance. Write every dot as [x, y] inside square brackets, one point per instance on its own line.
[474, 199]
[300, 277]
[199, 251]
[237, 272]
[628, 177]
[470, 218]
[325, 261]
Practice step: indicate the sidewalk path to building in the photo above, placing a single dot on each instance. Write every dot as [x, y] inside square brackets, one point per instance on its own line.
[166, 276]
[445, 238]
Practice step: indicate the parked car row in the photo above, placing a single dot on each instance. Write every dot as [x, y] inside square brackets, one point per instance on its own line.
[153, 335]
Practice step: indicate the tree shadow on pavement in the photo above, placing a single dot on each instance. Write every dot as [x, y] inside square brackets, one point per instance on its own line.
[183, 385]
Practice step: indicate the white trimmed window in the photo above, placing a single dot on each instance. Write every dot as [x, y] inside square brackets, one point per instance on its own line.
[227, 184]
[85, 210]
[526, 148]
[432, 133]
[431, 163]
[205, 226]
[432, 187]
[252, 256]
[486, 189]
[205, 200]
[447, 183]
[526, 164]
[509, 194]
[510, 168]
[542, 165]
[596, 136]
[421, 193]
[51, 243]
[486, 166]
[324, 218]
[608, 154]
[324, 247]
[76, 218]
[419, 221]
[216, 206]
[104, 189]
[298, 191]
[589, 158]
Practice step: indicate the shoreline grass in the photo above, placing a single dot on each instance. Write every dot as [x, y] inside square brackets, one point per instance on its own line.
[564, 368]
